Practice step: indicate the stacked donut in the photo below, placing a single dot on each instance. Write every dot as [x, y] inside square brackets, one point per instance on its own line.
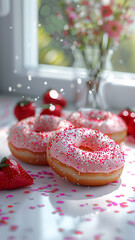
[78, 148]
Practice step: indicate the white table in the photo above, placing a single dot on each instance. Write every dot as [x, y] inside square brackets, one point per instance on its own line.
[53, 208]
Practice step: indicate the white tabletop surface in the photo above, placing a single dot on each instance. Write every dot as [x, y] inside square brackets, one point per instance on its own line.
[54, 209]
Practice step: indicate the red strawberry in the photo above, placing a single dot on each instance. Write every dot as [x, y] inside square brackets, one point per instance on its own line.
[51, 109]
[12, 175]
[55, 97]
[128, 115]
[125, 115]
[131, 127]
[24, 109]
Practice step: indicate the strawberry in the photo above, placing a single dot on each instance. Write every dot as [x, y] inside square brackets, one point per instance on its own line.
[125, 115]
[128, 115]
[131, 127]
[12, 175]
[54, 97]
[24, 109]
[51, 109]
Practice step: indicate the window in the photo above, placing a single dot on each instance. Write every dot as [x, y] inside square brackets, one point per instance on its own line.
[51, 41]
[37, 77]
[51, 48]
[36, 73]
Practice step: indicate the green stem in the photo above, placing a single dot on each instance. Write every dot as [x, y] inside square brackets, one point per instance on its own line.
[103, 54]
[88, 66]
[120, 10]
[2, 163]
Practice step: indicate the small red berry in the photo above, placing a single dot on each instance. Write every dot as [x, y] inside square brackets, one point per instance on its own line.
[54, 97]
[24, 109]
[125, 115]
[50, 109]
[128, 115]
[131, 127]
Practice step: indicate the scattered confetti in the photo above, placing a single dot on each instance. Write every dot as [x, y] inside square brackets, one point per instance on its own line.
[60, 229]
[40, 205]
[13, 227]
[89, 195]
[119, 196]
[131, 223]
[61, 214]
[131, 200]
[11, 238]
[70, 238]
[60, 202]
[11, 211]
[78, 232]
[123, 204]
[123, 185]
[32, 207]
[118, 238]
[9, 196]
[88, 219]
[62, 194]
[81, 205]
[131, 211]
[97, 237]
[26, 191]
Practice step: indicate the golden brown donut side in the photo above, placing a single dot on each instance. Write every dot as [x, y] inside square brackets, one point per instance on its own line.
[25, 155]
[119, 136]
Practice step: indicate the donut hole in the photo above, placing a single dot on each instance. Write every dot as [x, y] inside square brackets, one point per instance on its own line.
[94, 115]
[87, 149]
[43, 129]
[99, 115]
[39, 129]
[45, 125]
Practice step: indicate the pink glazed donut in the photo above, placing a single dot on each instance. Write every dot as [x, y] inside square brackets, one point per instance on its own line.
[28, 138]
[106, 122]
[85, 156]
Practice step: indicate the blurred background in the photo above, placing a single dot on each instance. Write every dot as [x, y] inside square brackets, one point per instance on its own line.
[51, 52]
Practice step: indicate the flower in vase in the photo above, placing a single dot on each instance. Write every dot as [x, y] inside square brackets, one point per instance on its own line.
[113, 29]
[99, 25]
[106, 11]
[96, 27]
[72, 15]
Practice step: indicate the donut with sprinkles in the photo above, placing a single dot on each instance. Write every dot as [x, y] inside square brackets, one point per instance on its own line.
[85, 156]
[28, 138]
[106, 122]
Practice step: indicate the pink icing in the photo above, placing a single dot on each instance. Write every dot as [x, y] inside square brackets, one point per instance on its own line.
[33, 133]
[105, 156]
[106, 122]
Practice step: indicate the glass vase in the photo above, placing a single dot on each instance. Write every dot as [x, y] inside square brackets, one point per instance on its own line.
[92, 92]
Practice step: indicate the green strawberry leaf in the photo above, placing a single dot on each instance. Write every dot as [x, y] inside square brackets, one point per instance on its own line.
[23, 103]
[2, 162]
[46, 106]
